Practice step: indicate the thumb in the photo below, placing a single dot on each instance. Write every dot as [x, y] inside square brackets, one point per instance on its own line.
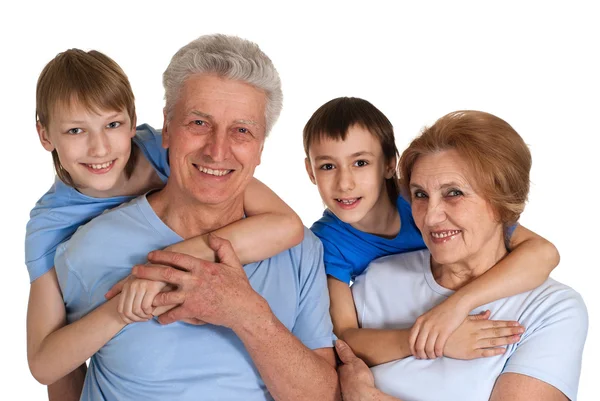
[116, 289]
[484, 315]
[344, 352]
[224, 250]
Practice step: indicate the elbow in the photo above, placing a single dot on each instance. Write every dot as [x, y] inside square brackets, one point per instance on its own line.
[553, 256]
[39, 372]
[296, 228]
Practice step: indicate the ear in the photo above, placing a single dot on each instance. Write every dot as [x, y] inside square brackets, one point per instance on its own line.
[133, 126]
[44, 137]
[165, 130]
[390, 168]
[309, 171]
[262, 147]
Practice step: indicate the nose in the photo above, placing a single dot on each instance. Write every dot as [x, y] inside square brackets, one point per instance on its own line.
[99, 144]
[435, 214]
[345, 179]
[217, 145]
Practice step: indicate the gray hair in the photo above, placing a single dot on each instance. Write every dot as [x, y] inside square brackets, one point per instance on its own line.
[226, 56]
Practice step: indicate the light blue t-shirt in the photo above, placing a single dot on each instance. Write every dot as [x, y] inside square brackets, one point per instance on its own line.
[148, 361]
[395, 290]
[63, 209]
[348, 251]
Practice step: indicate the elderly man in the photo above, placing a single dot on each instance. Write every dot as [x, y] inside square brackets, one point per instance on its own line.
[268, 333]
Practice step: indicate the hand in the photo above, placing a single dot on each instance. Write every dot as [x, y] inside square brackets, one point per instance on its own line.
[216, 293]
[479, 337]
[356, 379]
[136, 298]
[432, 329]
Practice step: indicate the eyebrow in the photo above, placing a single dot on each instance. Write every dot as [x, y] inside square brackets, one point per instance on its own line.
[353, 155]
[210, 117]
[444, 186]
[110, 117]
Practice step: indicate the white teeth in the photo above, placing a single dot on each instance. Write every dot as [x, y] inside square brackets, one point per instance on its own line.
[445, 234]
[218, 173]
[347, 201]
[101, 166]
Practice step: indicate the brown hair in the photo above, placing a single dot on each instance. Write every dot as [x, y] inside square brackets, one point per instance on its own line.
[89, 78]
[498, 157]
[333, 119]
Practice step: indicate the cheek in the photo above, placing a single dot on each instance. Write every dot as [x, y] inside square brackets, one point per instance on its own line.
[419, 209]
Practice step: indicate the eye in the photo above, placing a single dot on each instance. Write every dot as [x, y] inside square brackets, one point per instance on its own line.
[327, 166]
[361, 163]
[75, 131]
[418, 194]
[242, 130]
[114, 124]
[454, 192]
[199, 122]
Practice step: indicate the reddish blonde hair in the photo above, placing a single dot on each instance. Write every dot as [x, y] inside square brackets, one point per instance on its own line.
[498, 158]
[90, 78]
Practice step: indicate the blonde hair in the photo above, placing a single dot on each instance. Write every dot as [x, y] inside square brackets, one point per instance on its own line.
[498, 157]
[90, 78]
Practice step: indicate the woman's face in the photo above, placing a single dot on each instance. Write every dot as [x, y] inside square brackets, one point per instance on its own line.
[457, 224]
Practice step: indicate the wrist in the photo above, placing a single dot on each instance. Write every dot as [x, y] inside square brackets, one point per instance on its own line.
[463, 302]
[256, 316]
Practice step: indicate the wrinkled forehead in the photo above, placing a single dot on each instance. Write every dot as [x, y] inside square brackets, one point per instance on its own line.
[441, 169]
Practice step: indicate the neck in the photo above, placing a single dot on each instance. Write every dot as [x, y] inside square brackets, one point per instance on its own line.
[456, 275]
[190, 218]
[382, 220]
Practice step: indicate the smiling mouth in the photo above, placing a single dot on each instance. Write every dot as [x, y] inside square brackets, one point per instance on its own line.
[99, 166]
[210, 171]
[347, 201]
[444, 236]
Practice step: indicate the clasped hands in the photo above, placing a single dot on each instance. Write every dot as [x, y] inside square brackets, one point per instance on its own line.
[179, 287]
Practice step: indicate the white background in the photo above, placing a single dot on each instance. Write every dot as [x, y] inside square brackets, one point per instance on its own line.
[534, 65]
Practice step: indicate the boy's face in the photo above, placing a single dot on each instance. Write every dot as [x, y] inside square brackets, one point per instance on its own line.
[93, 147]
[351, 175]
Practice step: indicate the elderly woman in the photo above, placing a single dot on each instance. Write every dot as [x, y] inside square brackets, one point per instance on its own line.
[468, 179]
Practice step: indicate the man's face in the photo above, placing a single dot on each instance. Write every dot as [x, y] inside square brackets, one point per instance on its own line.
[215, 137]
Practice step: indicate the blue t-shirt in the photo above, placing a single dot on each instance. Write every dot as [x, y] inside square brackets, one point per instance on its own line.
[148, 361]
[58, 214]
[349, 251]
[395, 290]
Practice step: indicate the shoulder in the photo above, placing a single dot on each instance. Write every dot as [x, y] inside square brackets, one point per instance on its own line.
[555, 301]
[107, 227]
[146, 133]
[327, 224]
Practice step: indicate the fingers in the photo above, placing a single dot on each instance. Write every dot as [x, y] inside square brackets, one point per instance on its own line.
[484, 315]
[130, 302]
[412, 338]
[431, 338]
[194, 321]
[496, 324]
[169, 298]
[344, 352]
[116, 289]
[173, 315]
[159, 273]
[174, 259]
[224, 250]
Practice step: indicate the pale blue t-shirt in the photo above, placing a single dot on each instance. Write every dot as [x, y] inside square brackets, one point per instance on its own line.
[63, 209]
[148, 361]
[395, 290]
[348, 251]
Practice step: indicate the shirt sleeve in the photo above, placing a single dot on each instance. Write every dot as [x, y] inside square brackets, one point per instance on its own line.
[335, 263]
[552, 351]
[313, 323]
[45, 230]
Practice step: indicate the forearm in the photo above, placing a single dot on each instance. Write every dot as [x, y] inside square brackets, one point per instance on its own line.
[524, 269]
[377, 346]
[68, 388]
[289, 369]
[278, 232]
[63, 350]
